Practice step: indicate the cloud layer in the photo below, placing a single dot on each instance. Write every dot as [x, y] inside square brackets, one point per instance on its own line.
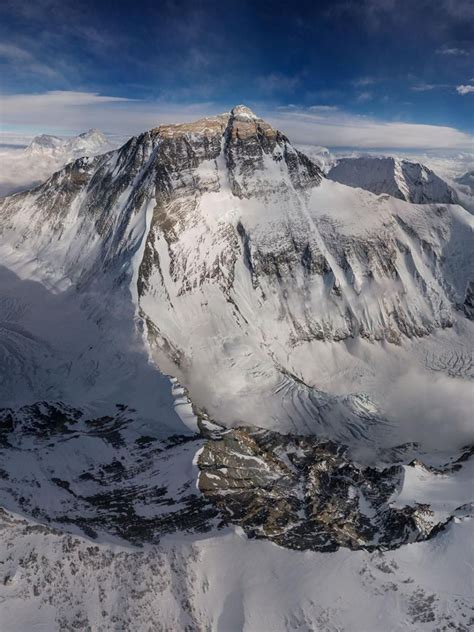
[339, 129]
[433, 410]
[75, 111]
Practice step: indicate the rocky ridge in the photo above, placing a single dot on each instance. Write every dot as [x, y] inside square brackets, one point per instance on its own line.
[126, 486]
[402, 179]
[304, 493]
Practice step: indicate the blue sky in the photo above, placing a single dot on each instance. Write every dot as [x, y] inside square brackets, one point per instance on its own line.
[383, 65]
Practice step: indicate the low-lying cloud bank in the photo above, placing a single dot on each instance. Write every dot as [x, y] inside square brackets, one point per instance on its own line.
[431, 409]
[320, 125]
[75, 112]
[340, 129]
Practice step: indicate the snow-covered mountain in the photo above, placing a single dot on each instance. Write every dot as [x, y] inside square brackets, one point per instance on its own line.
[239, 255]
[467, 180]
[400, 178]
[44, 155]
[89, 143]
[405, 180]
[306, 324]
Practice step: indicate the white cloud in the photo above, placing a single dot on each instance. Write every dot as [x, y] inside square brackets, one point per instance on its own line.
[434, 410]
[425, 87]
[464, 89]
[73, 112]
[339, 129]
[53, 98]
[323, 108]
[455, 52]
[363, 97]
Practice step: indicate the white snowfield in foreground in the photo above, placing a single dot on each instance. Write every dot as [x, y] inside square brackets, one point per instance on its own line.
[227, 583]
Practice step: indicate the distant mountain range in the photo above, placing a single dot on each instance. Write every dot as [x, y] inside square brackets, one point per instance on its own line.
[402, 179]
[23, 169]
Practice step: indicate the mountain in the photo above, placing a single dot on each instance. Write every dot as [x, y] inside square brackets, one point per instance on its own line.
[402, 179]
[239, 255]
[45, 155]
[409, 181]
[306, 325]
[86, 144]
[43, 143]
[223, 221]
[467, 180]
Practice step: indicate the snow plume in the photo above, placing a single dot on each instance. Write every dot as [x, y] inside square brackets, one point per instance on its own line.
[433, 410]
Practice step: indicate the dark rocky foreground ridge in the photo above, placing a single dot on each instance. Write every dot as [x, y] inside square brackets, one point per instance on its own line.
[299, 492]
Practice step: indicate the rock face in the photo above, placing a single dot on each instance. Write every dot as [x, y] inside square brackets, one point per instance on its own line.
[102, 477]
[307, 494]
[468, 305]
[108, 479]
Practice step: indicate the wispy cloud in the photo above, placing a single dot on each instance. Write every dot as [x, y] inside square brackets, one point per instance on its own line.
[68, 111]
[361, 82]
[14, 53]
[25, 61]
[464, 89]
[319, 124]
[323, 108]
[380, 14]
[426, 87]
[63, 97]
[275, 83]
[364, 96]
[342, 129]
[453, 51]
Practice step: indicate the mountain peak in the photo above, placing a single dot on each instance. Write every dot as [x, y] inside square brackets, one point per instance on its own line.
[93, 132]
[400, 178]
[242, 112]
[45, 141]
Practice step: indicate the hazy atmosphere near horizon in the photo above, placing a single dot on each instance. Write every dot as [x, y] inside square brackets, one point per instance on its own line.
[236, 315]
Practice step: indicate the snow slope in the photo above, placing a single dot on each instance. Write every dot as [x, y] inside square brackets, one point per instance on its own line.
[467, 180]
[400, 178]
[226, 583]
